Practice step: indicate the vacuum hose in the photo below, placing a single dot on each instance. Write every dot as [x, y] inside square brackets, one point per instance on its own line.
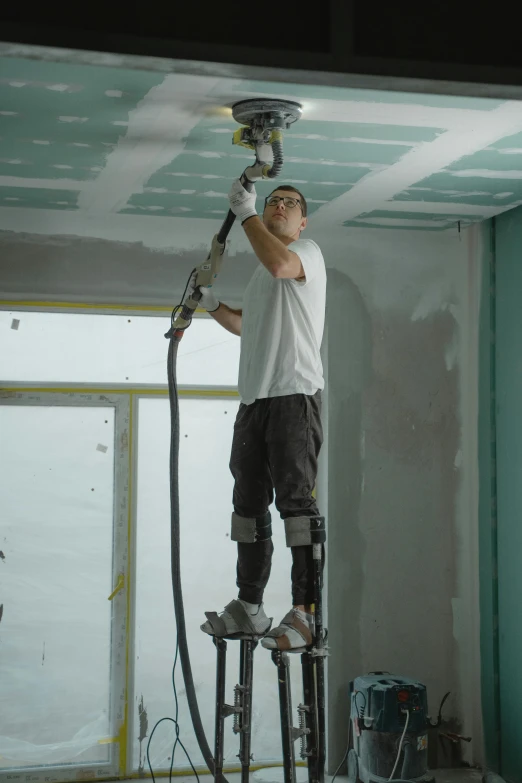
[175, 556]
[277, 165]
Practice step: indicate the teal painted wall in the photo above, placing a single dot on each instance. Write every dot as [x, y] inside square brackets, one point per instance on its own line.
[488, 542]
[508, 382]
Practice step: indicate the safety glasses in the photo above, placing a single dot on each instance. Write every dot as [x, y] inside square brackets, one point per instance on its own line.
[289, 201]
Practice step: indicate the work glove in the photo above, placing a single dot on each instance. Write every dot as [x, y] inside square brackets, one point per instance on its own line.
[208, 301]
[242, 203]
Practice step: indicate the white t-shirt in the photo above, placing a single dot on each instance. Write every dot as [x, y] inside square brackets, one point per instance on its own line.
[282, 329]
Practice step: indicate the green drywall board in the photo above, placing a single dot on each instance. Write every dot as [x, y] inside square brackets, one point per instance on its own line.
[31, 198]
[508, 242]
[488, 565]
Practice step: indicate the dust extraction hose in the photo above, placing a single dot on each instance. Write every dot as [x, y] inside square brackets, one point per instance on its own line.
[277, 165]
[175, 557]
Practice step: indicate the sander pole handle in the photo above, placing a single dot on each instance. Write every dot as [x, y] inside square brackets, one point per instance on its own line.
[230, 218]
[207, 271]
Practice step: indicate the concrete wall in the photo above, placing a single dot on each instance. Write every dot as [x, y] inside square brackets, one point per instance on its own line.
[59, 267]
[402, 472]
[398, 474]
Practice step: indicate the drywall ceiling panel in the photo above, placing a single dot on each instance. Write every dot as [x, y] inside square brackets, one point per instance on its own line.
[104, 142]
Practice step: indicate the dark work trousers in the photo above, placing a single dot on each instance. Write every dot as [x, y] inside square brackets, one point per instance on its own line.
[275, 446]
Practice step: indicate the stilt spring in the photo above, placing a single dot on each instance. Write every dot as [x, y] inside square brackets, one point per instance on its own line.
[236, 727]
[303, 730]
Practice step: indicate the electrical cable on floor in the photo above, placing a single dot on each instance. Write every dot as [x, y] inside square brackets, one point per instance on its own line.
[350, 730]
[359, 713]
[342, 762]
[439, 719]
[176, 724]
[391, 778]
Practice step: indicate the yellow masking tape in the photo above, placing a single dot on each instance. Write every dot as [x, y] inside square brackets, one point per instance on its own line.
[123, 761]
[17, 305]
[108, 741]
[122, 739]
[120, 584]
[87, 390]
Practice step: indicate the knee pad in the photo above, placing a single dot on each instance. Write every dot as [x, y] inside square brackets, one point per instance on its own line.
[248, 530]
[305, 531]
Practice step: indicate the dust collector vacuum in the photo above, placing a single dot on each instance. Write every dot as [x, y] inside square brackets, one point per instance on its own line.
[389, 720]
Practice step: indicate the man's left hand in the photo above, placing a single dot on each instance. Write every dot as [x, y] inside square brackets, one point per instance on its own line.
[242, 203]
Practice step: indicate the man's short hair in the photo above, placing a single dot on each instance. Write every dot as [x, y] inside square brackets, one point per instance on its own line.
[304, 205]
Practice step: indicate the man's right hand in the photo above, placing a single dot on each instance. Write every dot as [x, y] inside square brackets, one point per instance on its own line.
[208, 301]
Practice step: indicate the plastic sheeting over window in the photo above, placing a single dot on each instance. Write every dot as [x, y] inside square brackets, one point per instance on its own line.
[112, 349]
[208, 563]
[66, 534]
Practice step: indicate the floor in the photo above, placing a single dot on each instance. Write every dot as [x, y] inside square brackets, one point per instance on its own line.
[275, 775]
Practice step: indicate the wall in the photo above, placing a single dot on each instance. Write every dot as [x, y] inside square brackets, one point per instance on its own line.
[488, 546]
[402, 491]
[398, 474]
[59, 267]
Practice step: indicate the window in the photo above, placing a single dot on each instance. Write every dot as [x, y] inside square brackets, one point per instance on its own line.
[62, 675]
[113, 349]
[85, 482]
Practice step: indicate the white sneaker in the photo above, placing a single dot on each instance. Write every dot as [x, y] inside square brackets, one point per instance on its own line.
[294, 632]
[239, 619]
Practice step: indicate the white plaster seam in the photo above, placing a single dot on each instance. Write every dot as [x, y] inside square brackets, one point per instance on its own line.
[441, 207]
[161, 117]
[375, 190]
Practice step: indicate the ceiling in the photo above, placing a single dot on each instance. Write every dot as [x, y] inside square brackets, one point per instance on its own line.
[102, 140]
